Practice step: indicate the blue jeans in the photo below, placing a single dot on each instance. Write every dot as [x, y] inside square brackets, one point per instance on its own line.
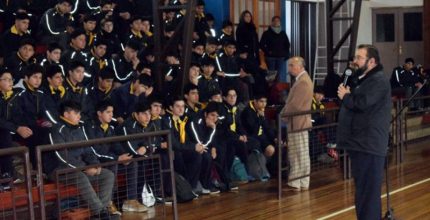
[278, 64]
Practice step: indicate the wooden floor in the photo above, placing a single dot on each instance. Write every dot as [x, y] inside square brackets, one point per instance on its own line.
[329, 196]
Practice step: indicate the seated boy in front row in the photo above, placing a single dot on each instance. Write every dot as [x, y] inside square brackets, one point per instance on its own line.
[68, 130]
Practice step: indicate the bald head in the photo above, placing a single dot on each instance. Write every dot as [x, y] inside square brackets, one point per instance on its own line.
[296, 65]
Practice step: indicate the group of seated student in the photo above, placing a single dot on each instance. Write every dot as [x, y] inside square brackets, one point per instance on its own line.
[96, 79]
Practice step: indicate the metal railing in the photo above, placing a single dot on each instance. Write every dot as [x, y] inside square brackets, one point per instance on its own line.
[316, 143]
[12, 194]
[47, 148]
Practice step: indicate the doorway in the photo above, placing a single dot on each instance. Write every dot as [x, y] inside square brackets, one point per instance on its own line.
[398, 34]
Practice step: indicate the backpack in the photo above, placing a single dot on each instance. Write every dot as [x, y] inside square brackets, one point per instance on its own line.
[184, 192]
[257, 166]
[238, 171]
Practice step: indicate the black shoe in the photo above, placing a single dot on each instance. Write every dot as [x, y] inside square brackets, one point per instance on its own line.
[233, 186]
[104, 215]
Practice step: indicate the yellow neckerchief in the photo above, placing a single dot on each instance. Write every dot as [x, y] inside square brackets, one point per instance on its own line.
[106, 91]
[13, 30]
[233, 112]
[74, 88]
[153, 118]
[260, 129]
[149, 33]
[317, 105]
[91, 37]
[104, 126]
[60, 88]
[131, 89]
[207, 77]
[7, 95]
[68, 121]
[200, 16]
[183, 12]
[195, 109]
[213, 56]
[31, 88]
[102, 62]
[137, 34]
[180, 127]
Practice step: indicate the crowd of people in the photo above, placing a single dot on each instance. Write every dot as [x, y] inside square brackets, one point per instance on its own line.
[74, 70]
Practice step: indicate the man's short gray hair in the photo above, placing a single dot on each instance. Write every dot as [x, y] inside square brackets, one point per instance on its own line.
[297, 59]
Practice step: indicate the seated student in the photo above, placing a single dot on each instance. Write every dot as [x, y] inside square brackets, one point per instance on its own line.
[192, 104]
[10, 123]
[89, 26]
[198, 51]
[54, 22]
[203, 133]
[103, 88]
[230, 73]
[52, 57]
[208, 83]
[226, 33]
[75, 50]
[126, 63]
[54, 91]
[97, 61]
[187, 159]
[322, 135]
[35, 114]
[21, 59]
[137, 123]
[76, 91]
[171, 73]
[255, 125]
[128, 95]
[101, 128]
[236, 136]
[16, 33]
[108, 35]
[67, 130]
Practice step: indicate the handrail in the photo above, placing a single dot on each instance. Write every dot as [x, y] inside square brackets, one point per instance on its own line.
[23, 151]
[79, 144]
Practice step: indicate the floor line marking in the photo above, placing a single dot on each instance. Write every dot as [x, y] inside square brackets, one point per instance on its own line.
[383, 196]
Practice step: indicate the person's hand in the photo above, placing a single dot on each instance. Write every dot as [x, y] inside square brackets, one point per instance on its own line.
[120, 120]
[135, 61]
[24, 132]
[146, 71]
[418, 85]
[243, 138]
[195, 36]
[99, 170]
[168, 78]
[125, 157]
[125, 15]
[199, 148]
[149, 91]
[164, 145]
[213, 153]
[342, 91]
[242, 73]
[141, 151]
[91, 171]
[220, 73]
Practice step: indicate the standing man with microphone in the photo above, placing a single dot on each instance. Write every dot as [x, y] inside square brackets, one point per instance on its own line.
[364, 122]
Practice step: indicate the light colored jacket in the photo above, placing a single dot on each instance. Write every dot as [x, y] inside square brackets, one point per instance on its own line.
[299, 99]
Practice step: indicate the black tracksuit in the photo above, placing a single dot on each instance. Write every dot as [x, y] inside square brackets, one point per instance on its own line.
[17, 65]
[53, 99]
[113, 43]
[247, 40]
[124, 102]
[256, 126]
[11, 40]
[123, 69]
[79, 94]
[10, 120]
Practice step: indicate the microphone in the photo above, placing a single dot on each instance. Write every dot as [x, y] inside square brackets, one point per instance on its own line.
[347, 73]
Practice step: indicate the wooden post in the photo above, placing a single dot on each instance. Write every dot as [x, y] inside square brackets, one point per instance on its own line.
[426, 34]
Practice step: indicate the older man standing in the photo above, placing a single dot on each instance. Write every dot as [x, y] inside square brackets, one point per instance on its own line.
[299, 99]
